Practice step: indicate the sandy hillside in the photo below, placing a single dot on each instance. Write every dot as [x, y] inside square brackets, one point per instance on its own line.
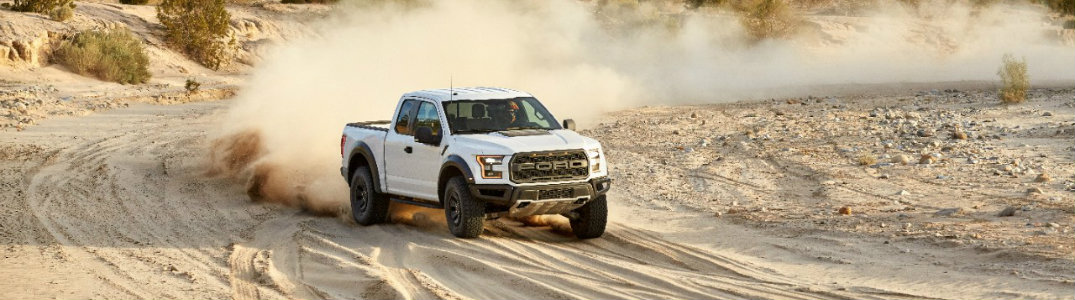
[92, 211]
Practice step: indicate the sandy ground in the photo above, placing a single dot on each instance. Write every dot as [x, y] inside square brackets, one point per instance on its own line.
[118, 205]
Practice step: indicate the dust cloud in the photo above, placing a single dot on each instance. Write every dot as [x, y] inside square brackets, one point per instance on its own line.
[282, 134]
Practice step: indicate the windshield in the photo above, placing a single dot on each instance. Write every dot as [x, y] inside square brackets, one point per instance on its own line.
[479, 116]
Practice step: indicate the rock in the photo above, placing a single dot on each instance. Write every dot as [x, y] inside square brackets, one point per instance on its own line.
[926, 159]
[947, 212]
[828, 182]
[845, 211]
[1034, 190]
[884, 176]
[694, 115]
[903, 193]
[942, 177]
[1043, 177]
[1054, 225]
[1007, 212]
[907, 226]
[959, 135]
[718, 214]
[901, 159]
[925, 133]
[675, 132]
[1006, 168]
[1047, 114]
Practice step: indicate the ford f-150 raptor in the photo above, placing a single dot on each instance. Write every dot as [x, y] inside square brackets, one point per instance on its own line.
[479, 153]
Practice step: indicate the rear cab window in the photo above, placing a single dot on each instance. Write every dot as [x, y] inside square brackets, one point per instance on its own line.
[404, 117]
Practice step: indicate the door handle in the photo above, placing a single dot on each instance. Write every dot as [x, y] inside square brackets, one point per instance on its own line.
[408, 149]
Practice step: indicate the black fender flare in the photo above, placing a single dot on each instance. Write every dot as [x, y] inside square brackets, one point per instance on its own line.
[453, 162]
[361, 148]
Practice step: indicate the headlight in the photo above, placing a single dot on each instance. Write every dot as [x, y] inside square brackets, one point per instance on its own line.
[487, 162]
[595, 159]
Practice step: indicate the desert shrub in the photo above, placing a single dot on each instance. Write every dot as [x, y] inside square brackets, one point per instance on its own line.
[40, 6]
[1014, 80]
[112, 55]
[766, 18]
[866, 160]
[197, 28]
[134, 2]
[62, 13]
[1060, 6]
[192, 85]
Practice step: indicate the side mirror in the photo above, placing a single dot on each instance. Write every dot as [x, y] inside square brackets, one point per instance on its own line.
[569, 124]
[425, 135]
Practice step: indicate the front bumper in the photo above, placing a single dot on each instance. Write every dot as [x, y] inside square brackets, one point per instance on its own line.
[541, 199]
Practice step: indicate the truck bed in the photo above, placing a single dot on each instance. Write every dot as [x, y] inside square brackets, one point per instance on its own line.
[381, 125]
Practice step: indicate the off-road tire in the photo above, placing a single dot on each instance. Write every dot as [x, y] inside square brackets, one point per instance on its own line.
[368, 207]
[591, 219]
[465, 214]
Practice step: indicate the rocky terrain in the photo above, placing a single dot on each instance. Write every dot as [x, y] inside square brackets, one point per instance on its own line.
[950, 167]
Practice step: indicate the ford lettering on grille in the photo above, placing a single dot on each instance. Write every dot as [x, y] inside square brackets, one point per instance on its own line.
[549, 166]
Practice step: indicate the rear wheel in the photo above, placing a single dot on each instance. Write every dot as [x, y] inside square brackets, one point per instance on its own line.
[591, 219]
[368, 207]
[465, 214]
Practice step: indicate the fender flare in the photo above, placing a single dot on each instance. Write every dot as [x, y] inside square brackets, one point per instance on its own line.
[364, 149]
[455, 161]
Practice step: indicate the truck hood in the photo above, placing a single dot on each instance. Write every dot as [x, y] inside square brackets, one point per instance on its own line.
[501, 143]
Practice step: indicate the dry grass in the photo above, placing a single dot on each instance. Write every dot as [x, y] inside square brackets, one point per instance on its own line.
[1014, 80]
[197, 28]
[866, 159]
[763, 19]
[112, 55]
[62, 13]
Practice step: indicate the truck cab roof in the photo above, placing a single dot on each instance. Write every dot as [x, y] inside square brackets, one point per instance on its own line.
[467, 93]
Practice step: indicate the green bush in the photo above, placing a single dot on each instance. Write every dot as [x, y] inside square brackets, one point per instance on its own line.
[1014, 80]
[134, 2]
[62, 13]
[197, 28]
[192, 85]
[39, 6]
[112, 55]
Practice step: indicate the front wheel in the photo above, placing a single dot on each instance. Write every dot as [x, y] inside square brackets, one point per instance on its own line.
[368, 207]
[591, 219]
[465, 214]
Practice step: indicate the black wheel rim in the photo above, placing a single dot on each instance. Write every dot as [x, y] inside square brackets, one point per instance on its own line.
[359, 199]
[454, 213]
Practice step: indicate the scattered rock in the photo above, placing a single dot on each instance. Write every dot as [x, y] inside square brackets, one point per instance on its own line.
[884, 176]
[694, 115]
[1034, 190]
[1047, 114]
[903, 193]
[947, 212]
[1043, 177]
[676, 132]
[846, 210]
[925, 133]
[926, 159]
[959, 135]
[1007, 212]
[901, 159]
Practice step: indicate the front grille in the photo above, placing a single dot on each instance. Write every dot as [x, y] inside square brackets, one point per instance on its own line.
[549, 166]
[555, 194]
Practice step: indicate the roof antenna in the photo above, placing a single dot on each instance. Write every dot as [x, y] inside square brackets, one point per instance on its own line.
[451, 87]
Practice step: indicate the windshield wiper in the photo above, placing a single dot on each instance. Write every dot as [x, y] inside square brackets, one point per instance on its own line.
[524, 127]
[475, 131]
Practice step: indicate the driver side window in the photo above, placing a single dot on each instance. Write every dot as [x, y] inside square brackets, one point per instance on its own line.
[428, 117]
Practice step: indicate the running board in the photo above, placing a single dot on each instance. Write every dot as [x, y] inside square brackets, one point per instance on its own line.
[415, 202]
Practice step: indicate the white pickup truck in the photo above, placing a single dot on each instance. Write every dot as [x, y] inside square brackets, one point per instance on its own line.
[479, 153]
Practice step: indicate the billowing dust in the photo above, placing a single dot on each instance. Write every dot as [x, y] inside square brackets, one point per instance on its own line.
[281, 137]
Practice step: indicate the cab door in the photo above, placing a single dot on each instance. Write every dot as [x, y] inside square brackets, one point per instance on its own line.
[415, 166]
[396, 153]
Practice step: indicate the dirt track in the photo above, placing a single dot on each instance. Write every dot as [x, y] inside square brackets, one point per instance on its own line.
[117, 205]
